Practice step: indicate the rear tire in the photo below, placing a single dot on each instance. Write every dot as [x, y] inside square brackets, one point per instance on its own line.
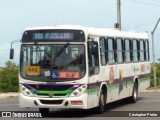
[133, 98]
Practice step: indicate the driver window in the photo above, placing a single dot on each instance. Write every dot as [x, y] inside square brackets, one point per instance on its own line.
[93, 57]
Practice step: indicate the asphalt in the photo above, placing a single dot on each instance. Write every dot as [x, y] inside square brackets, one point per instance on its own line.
[147, 101]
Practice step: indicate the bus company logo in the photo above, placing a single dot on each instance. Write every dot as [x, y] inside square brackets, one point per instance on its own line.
[50, 95]
[37, 86]
[111, 75]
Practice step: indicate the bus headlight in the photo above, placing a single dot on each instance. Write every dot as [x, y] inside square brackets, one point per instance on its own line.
[77, 92]
[25, 91]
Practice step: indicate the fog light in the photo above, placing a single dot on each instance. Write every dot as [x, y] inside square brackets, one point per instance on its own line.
[23, 89]
[84, 86]
[79, 89]
[28, 93]
[75, 93]
[76, 102]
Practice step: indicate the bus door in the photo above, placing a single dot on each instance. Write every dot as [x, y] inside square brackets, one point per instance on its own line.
[93, 63]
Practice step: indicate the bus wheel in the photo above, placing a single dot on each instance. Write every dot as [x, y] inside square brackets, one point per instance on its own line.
[134, 96]
[102, 102]
[44, 111]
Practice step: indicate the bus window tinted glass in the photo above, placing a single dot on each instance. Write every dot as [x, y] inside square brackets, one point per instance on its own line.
[135, 51]
[146, 50]
[111, 59]
[119, 51]
[141, 50]
[102, 51]
[127, 51]
[93, 57]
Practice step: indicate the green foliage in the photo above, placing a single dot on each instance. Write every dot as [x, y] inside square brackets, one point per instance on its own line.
[9, 77]
[157, 75]
[151, 78]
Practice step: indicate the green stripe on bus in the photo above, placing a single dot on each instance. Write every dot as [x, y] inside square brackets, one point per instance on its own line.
[55, 92]
[144, 79]
[130, 83]
[91, 90]
[113, 86]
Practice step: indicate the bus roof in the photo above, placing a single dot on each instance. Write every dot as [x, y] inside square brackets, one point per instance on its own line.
[91, 31]
[76, 27]
[116, 33]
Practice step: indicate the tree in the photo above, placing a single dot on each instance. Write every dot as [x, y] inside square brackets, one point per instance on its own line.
[157, 74]
[9, 77]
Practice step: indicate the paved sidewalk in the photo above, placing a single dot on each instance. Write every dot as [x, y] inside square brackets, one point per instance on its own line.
[8, 95]
[149, 91]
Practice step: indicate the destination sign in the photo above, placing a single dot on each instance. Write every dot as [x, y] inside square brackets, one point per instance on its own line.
[67, 36]
[53, 35]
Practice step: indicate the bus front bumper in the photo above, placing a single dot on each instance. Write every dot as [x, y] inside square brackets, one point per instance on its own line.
[67, 102]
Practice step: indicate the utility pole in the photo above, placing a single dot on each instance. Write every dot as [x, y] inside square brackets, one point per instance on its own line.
[153, 52]
[119, 14]
[118, 23]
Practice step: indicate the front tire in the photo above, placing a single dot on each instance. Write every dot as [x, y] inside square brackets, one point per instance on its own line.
[102, 102]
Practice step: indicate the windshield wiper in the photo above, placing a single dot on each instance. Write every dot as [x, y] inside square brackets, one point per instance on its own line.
[60, 51]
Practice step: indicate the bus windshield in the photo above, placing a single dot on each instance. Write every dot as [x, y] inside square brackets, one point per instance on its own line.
[59, 62]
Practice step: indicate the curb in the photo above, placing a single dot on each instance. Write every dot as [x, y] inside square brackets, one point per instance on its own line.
[149, 91]
[8, 95]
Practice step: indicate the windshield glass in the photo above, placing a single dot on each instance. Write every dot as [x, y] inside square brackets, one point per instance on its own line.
[52, 62]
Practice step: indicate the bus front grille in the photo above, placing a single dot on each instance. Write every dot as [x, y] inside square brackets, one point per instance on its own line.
[56, 95]
[51, 101]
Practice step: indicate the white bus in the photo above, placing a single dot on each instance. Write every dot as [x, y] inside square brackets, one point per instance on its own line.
[80, 67]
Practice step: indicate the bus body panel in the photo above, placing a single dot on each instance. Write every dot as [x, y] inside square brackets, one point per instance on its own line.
[35, 102]
[118, 78]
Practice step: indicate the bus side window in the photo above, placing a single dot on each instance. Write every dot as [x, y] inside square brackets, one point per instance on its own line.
[147, 50]
[127, 51]
[110, 51]
[141, 50]
[102, 51]
[119, 50]
[93, 57]
[135, 50]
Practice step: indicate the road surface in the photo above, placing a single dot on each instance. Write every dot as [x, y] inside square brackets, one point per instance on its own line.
[146, 102]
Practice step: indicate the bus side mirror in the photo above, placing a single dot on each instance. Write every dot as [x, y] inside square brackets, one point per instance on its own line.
[11, 53]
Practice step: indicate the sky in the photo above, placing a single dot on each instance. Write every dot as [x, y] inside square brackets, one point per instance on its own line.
[16, 15]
